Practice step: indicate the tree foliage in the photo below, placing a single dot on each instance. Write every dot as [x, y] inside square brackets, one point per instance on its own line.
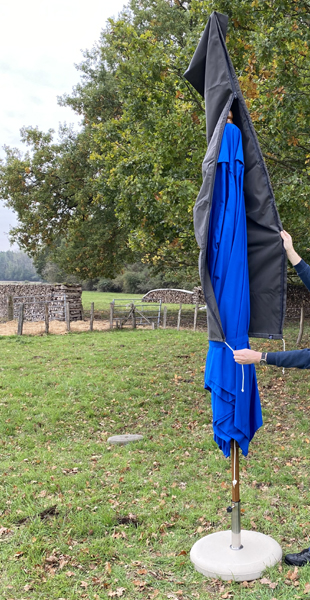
[17, 266]
[123, 187]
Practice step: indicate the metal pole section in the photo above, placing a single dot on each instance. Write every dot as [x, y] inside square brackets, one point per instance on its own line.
[235, 505]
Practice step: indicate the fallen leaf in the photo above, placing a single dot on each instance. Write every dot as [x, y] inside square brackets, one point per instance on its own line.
[69, 573]
[292, 575]
[107, 568]
[139, 583]
[265, 581]
[307, 588]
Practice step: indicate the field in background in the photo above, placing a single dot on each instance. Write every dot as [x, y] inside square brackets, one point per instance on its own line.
[82, 519]
[102, 300]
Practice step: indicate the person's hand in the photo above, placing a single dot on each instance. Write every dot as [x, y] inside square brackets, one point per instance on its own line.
[293, 257]
[246, 356]
[287, 240]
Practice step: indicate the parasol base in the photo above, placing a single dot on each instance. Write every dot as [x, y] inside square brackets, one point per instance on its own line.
[213, 557]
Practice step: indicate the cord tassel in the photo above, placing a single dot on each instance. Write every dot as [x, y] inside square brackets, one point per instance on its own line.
[283, 342]
[242, 387]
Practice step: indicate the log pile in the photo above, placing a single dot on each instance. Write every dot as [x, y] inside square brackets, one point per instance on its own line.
[296, 296]
[35, 295]
[170, 296]
[198, 296]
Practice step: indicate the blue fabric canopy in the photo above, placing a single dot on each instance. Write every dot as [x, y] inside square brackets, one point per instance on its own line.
[235, 398]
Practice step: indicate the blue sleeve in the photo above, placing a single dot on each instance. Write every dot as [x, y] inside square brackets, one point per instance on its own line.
[299, 359]
[303, 270]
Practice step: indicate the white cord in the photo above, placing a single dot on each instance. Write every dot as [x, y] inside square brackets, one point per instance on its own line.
[283, 342]
[234, 480]
[242, 387]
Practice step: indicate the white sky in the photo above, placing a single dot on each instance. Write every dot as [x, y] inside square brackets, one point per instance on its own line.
[40, 41]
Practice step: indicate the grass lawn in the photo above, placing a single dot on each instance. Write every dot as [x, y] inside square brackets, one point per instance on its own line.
[102, 300]
[123, 519]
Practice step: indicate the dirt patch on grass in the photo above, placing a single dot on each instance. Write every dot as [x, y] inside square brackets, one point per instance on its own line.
[56, 327]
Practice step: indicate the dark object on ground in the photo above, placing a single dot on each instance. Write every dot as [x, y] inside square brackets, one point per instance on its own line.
[128, 520]
[300, 559]
[47, 512]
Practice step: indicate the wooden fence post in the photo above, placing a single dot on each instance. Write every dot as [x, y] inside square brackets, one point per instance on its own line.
[67, 314]
[301, 325]
[133, 314]
[111, 314]
[165, 317]
[20, 320]
[195, 315]
[179, 316]
[46, 318]
[10, 308]
[91, 322]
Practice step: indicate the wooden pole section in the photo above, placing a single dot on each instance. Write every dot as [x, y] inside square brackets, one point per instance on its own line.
[165, 317]
[67, 310]
[179, 316]
[133, 316]
[10, 308]
[111, 314]
[301, 325]
[46, 318]
[20, 320]
[91, 322]
[235, 495]
[195, 315]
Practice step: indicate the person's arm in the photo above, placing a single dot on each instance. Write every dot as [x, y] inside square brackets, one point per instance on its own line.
[302, 269]
[299, 359]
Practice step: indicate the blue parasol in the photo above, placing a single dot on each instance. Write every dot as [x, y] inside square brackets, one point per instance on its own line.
[235, 398]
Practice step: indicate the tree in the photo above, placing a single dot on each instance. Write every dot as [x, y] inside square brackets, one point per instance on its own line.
[17, 266]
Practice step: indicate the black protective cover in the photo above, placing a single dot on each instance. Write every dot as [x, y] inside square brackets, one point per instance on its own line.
[212, 74]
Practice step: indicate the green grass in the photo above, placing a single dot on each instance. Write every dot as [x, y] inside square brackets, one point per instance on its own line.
[127, 517]
[102, 300]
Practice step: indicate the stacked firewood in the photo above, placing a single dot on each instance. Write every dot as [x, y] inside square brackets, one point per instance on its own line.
[297, 295]
[34, 296]
[198, 295]
[171, 296]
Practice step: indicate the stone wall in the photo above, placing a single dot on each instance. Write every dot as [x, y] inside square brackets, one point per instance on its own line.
[35, 295]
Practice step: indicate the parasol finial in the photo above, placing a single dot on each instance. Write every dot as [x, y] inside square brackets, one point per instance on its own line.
[230, 118]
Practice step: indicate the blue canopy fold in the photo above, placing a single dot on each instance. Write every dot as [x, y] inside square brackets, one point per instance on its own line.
[235, 398]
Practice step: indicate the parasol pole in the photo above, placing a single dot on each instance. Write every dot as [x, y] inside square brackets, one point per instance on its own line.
[235, 498]
[235, 495]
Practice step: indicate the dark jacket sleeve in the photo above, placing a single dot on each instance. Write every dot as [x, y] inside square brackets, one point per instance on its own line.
[303, 270]
[299, 359]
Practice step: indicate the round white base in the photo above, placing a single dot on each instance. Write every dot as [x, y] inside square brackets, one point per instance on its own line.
[213, 557]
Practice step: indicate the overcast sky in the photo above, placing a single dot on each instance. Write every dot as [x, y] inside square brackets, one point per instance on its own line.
[40, 41]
